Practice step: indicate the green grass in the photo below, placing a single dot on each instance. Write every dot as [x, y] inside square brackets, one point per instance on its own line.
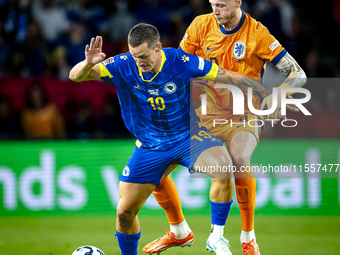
[276, 235]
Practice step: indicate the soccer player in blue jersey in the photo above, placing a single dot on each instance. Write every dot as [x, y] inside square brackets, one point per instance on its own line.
[153, 86]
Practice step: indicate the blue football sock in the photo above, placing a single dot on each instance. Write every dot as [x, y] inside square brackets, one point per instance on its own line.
[219, 212]
[128, 243]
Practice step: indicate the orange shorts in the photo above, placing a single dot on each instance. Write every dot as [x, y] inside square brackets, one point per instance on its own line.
[225, 126]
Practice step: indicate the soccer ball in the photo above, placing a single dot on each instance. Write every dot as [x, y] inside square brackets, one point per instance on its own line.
[88, 250]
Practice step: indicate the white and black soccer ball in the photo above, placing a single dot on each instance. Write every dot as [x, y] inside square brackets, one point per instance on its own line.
[88, 250]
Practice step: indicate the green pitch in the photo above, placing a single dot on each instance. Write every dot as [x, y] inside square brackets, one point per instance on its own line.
[276, 235]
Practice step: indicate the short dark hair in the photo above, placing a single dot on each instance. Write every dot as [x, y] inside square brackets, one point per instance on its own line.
[142, 33]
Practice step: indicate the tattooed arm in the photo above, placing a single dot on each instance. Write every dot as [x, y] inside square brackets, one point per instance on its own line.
[296, 77]
[241, 81]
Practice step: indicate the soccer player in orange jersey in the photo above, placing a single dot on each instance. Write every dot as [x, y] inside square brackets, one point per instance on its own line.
[235, 41]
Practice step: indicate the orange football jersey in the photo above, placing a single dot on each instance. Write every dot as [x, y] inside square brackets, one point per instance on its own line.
[245, 49]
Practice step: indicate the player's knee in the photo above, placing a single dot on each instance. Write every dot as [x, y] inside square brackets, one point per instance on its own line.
[222, 166]
[124, 216]
[219, 160]
[241, 161]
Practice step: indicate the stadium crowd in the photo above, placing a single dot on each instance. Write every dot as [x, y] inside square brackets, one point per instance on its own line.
[40, 40]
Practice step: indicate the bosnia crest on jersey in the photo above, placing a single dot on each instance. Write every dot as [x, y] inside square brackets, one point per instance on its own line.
[170, 87]
[126, 171]
[239, 50]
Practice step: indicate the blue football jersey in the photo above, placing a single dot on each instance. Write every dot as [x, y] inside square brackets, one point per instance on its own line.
[156, 106]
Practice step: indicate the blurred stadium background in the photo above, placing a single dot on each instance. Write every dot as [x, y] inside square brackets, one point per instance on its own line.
[59, 187]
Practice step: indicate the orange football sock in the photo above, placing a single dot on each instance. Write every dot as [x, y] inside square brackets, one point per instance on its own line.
[167, 197]
[246, 196]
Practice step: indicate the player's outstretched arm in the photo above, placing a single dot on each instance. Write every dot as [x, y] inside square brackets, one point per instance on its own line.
[241, 81]
[87, 69]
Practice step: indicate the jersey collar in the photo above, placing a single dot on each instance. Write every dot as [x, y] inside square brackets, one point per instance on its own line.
[160, 69]
[237, 28]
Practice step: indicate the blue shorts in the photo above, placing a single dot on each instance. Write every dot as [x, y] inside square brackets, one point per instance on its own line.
[147, 165]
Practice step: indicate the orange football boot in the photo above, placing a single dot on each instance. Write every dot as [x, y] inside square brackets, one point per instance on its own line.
[250, 248]
[168, 241]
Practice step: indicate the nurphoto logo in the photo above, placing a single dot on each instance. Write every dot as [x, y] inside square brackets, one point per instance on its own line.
[238, 103]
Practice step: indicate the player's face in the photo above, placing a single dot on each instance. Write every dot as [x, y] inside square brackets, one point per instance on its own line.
[225, 10]
[147, 59]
